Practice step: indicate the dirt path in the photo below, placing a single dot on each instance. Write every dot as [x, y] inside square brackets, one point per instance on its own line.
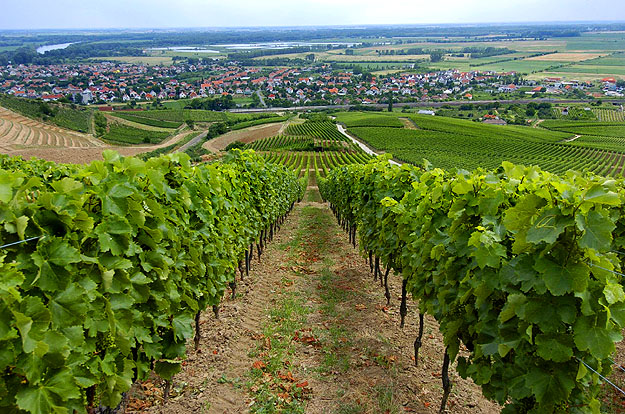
[408, 123]
[571, 139]
[537, 123]
[310, 332]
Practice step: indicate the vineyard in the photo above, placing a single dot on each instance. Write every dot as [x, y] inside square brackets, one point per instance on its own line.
[18, 131]
[309, 136]
[609, 115]
[146, 120]
[139, 284]
[451, 143]
[520, 267]
[124, 260]
[63, 116]
[124, 134]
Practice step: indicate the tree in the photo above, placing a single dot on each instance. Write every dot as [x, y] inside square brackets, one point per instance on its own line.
[390, 102]
[310, 57]
[436, 56]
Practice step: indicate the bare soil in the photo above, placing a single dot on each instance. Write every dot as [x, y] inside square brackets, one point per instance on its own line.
[246, 136]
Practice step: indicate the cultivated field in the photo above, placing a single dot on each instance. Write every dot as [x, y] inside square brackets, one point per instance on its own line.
[567, 57]
[246, 136]
[18, 131]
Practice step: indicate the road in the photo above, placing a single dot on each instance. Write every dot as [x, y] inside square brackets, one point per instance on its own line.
[192, 142]
[262, 99]
[360, 144]
[436, 104]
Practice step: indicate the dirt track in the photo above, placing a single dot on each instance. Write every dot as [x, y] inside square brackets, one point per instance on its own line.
[355, 356]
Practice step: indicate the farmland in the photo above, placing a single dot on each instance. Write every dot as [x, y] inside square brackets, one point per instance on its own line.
[305, 274]
[18, 131]
[452, 143]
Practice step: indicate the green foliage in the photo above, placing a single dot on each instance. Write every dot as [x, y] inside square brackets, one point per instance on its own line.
[516, 264]
[100, 124]
[63, 116]
[235, 145]
[134, 117]
[260, 121]
[359, 119]
[131, 251]
[128, 135]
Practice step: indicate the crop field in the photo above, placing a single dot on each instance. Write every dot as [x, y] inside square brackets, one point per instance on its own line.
[124, 134]
[17, 131]
[134, 117]
[567, 57]
[453, 143]
[609, 115]
[604, 129]
[316, 164]
[359, 119]
[308, 136]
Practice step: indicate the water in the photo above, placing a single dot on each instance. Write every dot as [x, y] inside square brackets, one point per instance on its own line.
[281, 45]
[188, 49]
[43, 49]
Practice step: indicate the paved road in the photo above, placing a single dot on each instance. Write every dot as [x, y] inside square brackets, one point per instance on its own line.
[360, 144]
[262, 99]
[436, 104]
[192, 142]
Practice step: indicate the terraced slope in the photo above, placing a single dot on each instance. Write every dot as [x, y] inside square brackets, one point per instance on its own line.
[18, 131]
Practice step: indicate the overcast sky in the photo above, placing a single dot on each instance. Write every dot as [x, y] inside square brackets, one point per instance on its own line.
[58, 14]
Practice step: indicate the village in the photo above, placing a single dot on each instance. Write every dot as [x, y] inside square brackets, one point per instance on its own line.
[109, 83]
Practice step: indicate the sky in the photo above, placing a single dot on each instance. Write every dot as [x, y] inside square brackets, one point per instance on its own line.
[67, 14]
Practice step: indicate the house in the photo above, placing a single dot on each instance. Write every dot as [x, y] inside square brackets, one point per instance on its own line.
[508, 88]
[426, 112]
[51, 97]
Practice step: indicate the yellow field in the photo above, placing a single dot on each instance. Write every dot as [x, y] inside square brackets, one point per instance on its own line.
[568, 57]
[572, 75]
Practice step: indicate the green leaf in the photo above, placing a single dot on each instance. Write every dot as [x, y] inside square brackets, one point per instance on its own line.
[549, 387]
[613, 293]
[547, 227]
[56, 251]
[598, 194]
[166, 369]
[599, 341]
[597, 229]
[563, 279]
[557, 348]
[510, 308]
[183, 328]
[21, 223]
[50, 397]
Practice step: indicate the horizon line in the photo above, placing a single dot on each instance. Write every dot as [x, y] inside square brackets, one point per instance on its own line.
[312, 26]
